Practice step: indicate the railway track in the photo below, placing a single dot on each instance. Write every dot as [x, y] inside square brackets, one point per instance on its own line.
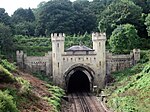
[84, 102]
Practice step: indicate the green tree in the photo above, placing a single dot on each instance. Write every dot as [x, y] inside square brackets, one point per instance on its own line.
[84, 19]
[24, 22]
[65, 16]
[124, 37]
[21, 15]
[144, 4]
[4, 17]
[147, 23]
[6, 40]
[25, 28]
[55, 16]
[119, 12]
[97, 6]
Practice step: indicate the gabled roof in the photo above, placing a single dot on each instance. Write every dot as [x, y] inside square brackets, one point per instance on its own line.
[79, 48]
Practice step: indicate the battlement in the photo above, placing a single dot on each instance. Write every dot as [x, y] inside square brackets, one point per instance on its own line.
[19, 53]
[57, 36]
[136, 51]
[98, 36]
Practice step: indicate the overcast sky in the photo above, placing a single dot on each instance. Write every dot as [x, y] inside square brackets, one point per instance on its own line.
[11, 5]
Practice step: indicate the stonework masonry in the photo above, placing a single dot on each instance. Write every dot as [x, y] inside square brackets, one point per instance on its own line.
[60, 64]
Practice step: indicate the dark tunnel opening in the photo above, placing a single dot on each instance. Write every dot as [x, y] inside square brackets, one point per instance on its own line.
[78, 82]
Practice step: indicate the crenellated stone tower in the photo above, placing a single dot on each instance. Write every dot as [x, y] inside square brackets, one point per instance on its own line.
[99, 40]
[57, 51]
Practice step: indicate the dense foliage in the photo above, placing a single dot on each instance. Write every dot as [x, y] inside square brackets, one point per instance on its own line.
[65, 16]
[38, 46]
[147, 23]
[4, 17]
[7, 103]
[119, 12]
[33, 45]
[73, 18]
[18, 93]
[124, 37]
[5, 76]
[9, 66]
[6, 40]
[130, 91]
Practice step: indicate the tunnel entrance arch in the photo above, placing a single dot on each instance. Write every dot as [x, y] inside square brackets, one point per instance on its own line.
[79, 77]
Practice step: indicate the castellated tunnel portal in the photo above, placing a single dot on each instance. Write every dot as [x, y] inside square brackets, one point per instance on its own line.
[79, 79]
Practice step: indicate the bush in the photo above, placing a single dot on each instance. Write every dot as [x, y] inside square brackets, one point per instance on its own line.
[6, 102]
[145, 56]
[42, 77]
[9, 66]
[25, 85]
[55, 100]
[124, 37]
[5, 75]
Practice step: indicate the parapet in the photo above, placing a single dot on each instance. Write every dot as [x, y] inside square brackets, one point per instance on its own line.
[98, 36]
[57, 36]
[19, 53]
[136, 51]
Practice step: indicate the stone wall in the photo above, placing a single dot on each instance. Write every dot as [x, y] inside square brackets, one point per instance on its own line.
[35, 63]
[120, 62]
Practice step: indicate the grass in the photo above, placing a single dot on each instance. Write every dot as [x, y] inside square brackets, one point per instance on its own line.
[17, 94]
[130, 92]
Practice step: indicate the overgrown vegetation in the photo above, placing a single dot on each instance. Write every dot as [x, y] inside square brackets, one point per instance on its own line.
[18, 93]
[130, 92]
[7, 103]
[38, 46]
[72, 18]
[25, 85]
[5, 76]
[55, 99]
[9, 66]
[124, 37]
[43, 77]
[35, 46]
